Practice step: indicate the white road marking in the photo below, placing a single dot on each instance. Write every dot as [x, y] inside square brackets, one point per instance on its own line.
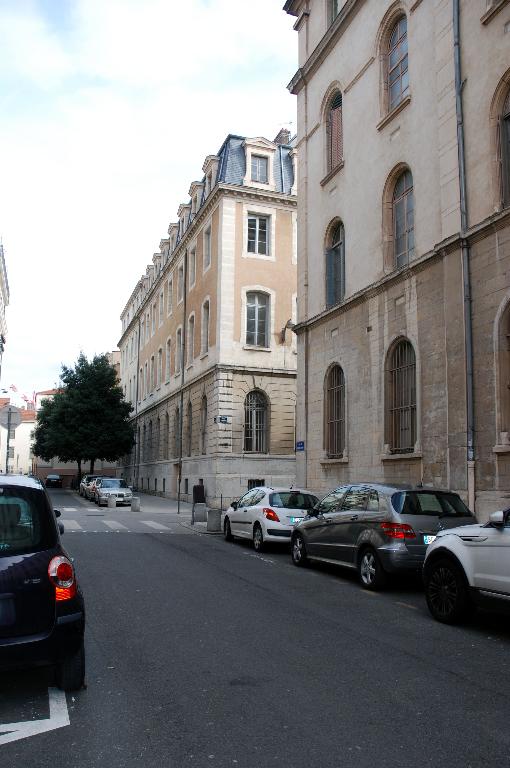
[156, 526]
[72, 525]
[406, 605]
[69, 509]
[114, 525]
[59, 718]
[259, 557]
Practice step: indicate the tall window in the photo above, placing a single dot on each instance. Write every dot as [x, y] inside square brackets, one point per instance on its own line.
[191, 339]
[204, 341]
[161, 307]
[154, 318]
[403, 219]
[401, 381]
[334, 132]
[335, 266]
[157, 446]
[170, 296]
[180, 283]
[398, 74]
[255, 423]
[147, 327]
[160, 366]
[177, 431]
[259, 166]
[203, 425]
[153, 376]
[146, 381]
[207, 248]
[178, 350]
[335, 412]
[505, 150]
[168, 360]
[149, 442]
[192, 267]
[333, 10]
[143, 445]
[257, 319]
[166, 437]
[189, 428]
[140, 384]
[258, 231]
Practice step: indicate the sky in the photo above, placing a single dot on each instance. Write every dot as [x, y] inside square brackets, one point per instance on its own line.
[108, 110]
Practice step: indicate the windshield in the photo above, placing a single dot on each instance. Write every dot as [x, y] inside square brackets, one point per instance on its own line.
[434, 503]
[292, 500]
[26, 522]
[113, 483]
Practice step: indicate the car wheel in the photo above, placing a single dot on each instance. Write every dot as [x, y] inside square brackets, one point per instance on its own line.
[298, 550]
[370, 570]
[446, 591]
[258, 538]
[227, 532]
[70, 672]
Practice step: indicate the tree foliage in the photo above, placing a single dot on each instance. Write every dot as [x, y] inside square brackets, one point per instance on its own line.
[88, 419]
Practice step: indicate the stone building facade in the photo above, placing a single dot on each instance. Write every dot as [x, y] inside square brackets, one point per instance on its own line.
[4, 303]
[208, 359]
[404, 244]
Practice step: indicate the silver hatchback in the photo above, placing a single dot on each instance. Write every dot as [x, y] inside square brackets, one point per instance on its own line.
[376, 529]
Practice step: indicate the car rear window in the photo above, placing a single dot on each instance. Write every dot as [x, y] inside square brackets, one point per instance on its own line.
[431, 503]
[292, 500]
[26, 521]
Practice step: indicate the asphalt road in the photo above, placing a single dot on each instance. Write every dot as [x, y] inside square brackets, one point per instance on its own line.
[202, 653]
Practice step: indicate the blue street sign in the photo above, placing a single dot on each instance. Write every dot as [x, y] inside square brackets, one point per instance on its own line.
[300, 445]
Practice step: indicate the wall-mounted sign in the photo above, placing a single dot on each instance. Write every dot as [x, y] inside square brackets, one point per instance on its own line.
[221, 419]
[300, 445]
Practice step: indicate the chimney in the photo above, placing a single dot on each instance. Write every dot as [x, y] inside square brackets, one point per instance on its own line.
[282, 137]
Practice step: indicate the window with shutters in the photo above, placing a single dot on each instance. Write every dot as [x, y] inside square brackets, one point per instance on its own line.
[335, 132]
[505, 151]
[256, 422]
[335, 266]
[403, 219]
[258, 234]
[335, 412]
[398, 73]
[257, 319]
[401, 398]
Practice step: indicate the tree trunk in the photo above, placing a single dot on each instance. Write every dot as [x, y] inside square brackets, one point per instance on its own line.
[79, 471]
[92, 462]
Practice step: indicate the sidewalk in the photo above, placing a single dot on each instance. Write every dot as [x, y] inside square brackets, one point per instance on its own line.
[159, 505]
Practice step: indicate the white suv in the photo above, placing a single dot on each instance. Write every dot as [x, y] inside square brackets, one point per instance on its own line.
[469, 566]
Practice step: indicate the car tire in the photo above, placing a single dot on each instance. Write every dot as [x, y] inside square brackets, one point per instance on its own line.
[370, 571]
[258, 538]
[70, 672]
[227, 531]
[298, 550]
[446, 591]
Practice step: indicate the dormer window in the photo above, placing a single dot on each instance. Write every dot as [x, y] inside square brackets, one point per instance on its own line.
[259, 168]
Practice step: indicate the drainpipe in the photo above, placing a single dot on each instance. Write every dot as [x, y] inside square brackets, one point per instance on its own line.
[465, 251]
[137, 442]
[183, 358]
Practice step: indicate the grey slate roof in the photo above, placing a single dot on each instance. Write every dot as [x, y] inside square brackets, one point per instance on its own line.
[232, 164]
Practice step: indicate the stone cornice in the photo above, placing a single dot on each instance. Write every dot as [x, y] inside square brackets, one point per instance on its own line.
[328, 41]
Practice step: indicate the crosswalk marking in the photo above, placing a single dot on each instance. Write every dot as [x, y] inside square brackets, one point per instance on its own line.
[115, 526]
[69, 509]
[72, 525]
[156, 526]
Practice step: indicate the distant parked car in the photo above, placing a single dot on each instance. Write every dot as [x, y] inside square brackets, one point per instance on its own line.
[84, 482]
[468, 567]
[112, 486]
[42, 613]
[267, 514]
[53, 481]
[376, 529]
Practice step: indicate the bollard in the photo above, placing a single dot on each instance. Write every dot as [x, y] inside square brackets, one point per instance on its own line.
[112, 502]
[214, 520]
[135, 504]
[200, 513]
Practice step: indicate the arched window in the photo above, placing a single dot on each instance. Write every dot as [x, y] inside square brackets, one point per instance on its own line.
[398, 73]
[503, 374]
[166, 437]
[335, 412]
[191, 339]
[401, 398]
[505, 150]
[255, 423]
[257, 319]
[149, 443]
[157, 451]
[203, 425]
[403, 219]
[334, 132]
[177, 431]
[335, 266]
[189, 429]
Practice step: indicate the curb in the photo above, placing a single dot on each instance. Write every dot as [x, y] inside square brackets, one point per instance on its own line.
[200, 531]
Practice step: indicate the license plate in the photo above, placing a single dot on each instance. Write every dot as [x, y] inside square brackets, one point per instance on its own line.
[295, 520]
[428, 539]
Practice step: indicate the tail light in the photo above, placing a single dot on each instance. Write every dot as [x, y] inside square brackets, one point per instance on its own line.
[398, 530]
[270, 514]
[61, 573]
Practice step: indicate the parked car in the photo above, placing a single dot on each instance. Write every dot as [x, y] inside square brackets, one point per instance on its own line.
[53, 481]
[376, 529]
[112, 486]
[90, 487]
[84, 482]
[267, 514]
[468, 567]
[42, 612]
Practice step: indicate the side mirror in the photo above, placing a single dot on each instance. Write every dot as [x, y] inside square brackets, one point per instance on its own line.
[497, 519]
[57, 512]
[61, 528]
[234, 505]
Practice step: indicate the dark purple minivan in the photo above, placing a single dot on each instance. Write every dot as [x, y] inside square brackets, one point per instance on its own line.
[42, 613]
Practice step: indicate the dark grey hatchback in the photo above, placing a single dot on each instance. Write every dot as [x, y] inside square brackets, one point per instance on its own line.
[376, 529]
[42, 613]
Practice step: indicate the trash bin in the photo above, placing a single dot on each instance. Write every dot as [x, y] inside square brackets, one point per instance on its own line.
[135, 504]
[112, 502]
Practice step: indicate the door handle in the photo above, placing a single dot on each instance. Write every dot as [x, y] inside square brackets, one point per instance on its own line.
[245, 510]
[354, 517]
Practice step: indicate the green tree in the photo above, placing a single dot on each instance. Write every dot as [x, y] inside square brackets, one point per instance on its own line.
[89, 418]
